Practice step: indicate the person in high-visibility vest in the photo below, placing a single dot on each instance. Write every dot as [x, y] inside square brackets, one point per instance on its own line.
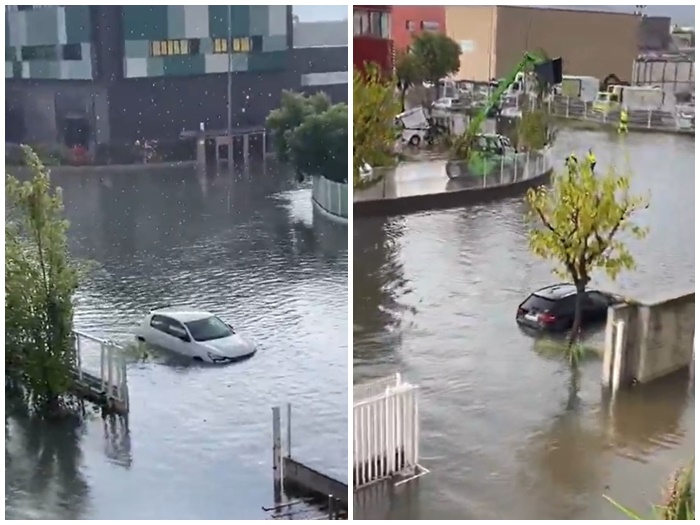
[571, 163]
[624, 119]
[591, 159]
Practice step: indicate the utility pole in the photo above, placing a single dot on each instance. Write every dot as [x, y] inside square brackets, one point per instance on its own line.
[229, 123]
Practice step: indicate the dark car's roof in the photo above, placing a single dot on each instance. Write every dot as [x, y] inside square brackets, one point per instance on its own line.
[556, 291]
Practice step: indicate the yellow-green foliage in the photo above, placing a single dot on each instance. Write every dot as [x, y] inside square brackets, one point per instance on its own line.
[374, 109]
[533, 130]
[581, 217]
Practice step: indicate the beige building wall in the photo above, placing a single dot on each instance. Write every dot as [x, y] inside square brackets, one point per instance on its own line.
[474, 29]
[590, 43]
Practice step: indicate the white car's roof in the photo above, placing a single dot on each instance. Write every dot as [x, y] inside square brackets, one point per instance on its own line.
[184, 316]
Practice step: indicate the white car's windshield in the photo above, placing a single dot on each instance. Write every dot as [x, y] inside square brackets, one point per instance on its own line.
[208, 329]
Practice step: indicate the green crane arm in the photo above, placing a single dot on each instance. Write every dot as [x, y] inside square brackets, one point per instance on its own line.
[478, 120]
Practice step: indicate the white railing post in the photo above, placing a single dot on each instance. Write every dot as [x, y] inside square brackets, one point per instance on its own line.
[103, 364]
[549, 105]
[503, 161]
[567, 107]
[483, 175]
[78, 357]
[527, 165]
[649, 119]
[585, 111]
[617, 356]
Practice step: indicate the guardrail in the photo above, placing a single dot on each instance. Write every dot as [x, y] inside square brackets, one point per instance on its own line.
[331, 196]
[505, 170]
[682, 120]
[100, 370]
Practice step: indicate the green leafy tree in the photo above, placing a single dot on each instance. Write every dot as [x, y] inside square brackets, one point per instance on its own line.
[408, 73]
[438, 57]
[294, 109]
[581, 218]
[374, 109]
[39, 285]
[319, 146]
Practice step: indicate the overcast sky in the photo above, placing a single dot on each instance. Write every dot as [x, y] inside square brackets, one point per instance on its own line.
[681, 14]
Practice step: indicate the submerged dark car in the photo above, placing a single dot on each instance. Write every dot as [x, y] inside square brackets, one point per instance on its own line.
[552, 308]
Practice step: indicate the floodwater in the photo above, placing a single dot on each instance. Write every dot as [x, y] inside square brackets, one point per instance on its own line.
[434, 298]
[198, 445]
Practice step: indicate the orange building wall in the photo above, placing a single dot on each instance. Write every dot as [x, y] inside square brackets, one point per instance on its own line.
[474, 29]
[402, 14]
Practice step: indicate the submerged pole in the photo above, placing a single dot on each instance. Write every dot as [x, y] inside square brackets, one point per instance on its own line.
[276, 455]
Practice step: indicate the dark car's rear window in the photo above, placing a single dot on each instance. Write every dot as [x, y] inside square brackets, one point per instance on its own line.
[535, 302]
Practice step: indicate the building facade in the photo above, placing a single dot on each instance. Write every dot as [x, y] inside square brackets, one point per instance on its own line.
[494, 38]
[410, 20]
[134, 72]
[372, 41]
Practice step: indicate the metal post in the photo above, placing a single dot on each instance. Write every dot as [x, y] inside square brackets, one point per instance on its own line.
[276, 455]
[78, 357]
[264, 145]
[246, 148]
[229, 123]
[527, 166]
[289, 430]
[567, 107]
[503, 160]
[649, 119]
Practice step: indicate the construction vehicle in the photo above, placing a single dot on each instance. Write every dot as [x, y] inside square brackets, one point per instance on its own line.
[483, 152]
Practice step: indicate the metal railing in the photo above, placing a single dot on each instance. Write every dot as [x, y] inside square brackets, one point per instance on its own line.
[501, 171]
[682, 119]
[101, 364]
[331, 196]
[386, 432]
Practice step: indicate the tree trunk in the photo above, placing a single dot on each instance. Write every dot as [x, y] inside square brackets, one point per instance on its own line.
[403, 100]
[572, 401]
[578, 314]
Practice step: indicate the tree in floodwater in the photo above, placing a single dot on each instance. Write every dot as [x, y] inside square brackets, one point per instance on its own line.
[40, 281]
[408, 73]
[374, 132]
[581, 219]
[309, 134]
[437, 55]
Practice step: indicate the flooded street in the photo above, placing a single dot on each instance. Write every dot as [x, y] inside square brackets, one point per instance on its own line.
[435, 295]
[248, 247]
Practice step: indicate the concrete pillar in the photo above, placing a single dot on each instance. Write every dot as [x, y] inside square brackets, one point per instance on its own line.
[246, 148]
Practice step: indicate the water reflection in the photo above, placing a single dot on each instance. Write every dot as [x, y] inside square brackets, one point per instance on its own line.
[436, 301]
[246, 246]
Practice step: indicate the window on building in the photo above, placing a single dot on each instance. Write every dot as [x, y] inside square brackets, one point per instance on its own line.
[39, 53]
[427, 25]
[241, 45]
[410, 25]
[72, 52]
[220, 45]
[371, 23]
[178, 47]
[256, 44]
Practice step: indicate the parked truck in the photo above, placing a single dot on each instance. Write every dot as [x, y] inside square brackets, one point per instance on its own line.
[584, 88]
[634, 98]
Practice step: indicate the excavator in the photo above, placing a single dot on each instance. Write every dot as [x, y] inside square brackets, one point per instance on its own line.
[484, 152]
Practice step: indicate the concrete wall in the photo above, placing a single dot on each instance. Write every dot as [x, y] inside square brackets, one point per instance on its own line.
[331, 196]
[591, 43]
[474, 29]
[659, 337]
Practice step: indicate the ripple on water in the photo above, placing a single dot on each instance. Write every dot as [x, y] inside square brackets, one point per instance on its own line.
[434, 297]
[272, 267]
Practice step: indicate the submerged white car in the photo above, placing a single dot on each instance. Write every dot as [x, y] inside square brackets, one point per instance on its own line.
[199, 335]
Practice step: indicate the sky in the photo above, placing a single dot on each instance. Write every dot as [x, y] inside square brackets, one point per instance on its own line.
[315, 13]
[681, 14]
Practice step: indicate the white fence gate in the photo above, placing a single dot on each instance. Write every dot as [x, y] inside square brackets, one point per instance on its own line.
[385, 431]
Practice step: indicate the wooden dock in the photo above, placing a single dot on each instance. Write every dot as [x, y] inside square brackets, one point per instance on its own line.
[300, 482]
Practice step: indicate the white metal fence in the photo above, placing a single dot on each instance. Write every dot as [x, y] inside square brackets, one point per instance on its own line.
[101, 364]
[331, 196]
[385, 431]
[682, 119]
[501, 172]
